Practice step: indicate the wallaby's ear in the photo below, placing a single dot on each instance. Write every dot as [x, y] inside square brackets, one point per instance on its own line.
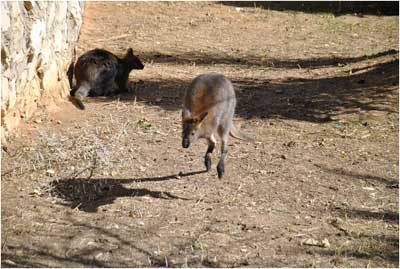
[202, 116]
[185, 114]
[189, 120]
[129, 52]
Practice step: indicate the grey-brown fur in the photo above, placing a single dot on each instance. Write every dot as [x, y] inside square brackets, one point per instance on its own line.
[100, 72]
[208, 110]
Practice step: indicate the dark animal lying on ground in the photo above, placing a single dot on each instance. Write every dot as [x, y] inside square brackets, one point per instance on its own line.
[208, 109]
[100, 72]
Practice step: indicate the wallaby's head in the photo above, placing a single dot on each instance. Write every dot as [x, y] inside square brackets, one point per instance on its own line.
[131, 61]
[191, 127]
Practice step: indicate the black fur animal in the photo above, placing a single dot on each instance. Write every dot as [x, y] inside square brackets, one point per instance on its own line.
[100, 72]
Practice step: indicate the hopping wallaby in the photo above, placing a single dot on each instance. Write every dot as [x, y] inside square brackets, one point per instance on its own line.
[100, 72]
[208, 109]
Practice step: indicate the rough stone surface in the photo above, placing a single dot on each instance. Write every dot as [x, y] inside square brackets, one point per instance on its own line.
[38, 41]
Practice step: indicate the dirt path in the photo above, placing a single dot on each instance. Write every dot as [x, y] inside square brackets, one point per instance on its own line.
[319, 92]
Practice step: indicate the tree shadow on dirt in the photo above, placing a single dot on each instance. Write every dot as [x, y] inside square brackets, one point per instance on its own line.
[78, 254]
[89, 194]
[376, 247]
[369, 215]
[386, 8]
[94, 240]
[17, 261]
[318, 100]
[370, 88]
[364, 244]
[366, 88]
[389, 182]
[252, 61]
[371, 254]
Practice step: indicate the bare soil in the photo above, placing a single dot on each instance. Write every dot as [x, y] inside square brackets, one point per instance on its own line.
[111, 186]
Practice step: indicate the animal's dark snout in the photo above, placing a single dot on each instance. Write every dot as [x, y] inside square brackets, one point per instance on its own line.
[139, 66]
[185, 143]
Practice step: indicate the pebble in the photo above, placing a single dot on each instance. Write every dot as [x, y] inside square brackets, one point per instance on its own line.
[9, 262]
[50, 172]
[325, 243]
[310, 242]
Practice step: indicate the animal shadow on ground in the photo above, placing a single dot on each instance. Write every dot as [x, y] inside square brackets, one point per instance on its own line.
[88, 194]
[317, 100]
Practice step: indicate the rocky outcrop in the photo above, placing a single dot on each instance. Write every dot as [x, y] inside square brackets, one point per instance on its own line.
[38, 42]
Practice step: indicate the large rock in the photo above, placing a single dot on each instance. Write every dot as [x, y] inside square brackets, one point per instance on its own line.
[38, 42]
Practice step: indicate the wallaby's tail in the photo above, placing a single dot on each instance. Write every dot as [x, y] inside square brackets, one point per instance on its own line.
[234, 132]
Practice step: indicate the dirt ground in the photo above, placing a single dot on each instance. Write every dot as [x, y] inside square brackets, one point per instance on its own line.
[111, 186]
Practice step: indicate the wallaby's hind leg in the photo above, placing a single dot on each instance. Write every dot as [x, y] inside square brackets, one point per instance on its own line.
[81, 93]
[207, 158]
[224, 152]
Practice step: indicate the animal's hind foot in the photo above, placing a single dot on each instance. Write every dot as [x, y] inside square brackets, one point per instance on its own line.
[80, 104]
[220, 170]
[207, 163]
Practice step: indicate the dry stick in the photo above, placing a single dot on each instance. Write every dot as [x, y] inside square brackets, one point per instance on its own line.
[17, 151]
[123, 130]
[77, 206]
[80, 172]
[340, 228]
[93, 167]
[8, 172]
